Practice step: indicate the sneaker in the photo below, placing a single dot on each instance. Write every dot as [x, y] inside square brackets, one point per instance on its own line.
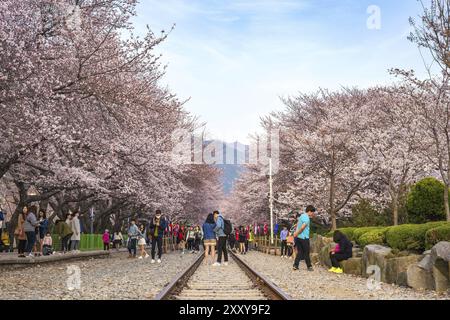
[294, 268]
[146, 256]
[216, 264]
[140, 257]
[153, 261]
[159, 260]
[225, 263]
[332, 269]
[338, 270]
[310, 269]
[130, 256]
[30, 255]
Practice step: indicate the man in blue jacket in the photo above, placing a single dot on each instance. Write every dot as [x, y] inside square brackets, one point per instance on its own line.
[222, 239]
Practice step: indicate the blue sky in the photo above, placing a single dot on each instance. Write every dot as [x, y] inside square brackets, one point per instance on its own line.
[235, 58]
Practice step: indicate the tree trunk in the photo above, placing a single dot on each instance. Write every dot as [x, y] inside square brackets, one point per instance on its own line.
[395, 209]
[446, 205]
[332, 205]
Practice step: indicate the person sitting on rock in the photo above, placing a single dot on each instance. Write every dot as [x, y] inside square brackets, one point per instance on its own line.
[342, 251]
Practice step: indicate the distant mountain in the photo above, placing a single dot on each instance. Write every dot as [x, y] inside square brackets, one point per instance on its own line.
[235, 156]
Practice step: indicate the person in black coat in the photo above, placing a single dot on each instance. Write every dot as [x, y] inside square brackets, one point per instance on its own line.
[343, 251]
[156, 232]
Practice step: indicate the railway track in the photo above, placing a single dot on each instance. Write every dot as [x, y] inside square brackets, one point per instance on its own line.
[237, 281]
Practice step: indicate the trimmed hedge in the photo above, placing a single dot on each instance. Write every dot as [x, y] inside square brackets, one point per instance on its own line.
[438, 234]
[410, 236]
[416, 237]
[377, 236]
[347, 231]
[362, 231]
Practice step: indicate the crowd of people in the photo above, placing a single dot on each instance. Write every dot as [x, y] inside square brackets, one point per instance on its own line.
[216, 236]
[295, 242]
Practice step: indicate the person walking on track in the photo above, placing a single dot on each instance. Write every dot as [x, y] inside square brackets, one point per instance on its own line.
[209, 238]
[283, 237]
[133, 235]
[222, 238]
[301, 236]
[157, 227]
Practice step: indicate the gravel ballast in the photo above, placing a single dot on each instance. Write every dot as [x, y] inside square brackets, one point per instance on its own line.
[114, 277]
[321, 284]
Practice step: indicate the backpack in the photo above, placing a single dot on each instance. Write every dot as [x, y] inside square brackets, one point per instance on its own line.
[227, 227]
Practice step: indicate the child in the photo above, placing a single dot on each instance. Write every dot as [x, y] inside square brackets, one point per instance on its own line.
[106, 240]
[141, 244]
[47, 243]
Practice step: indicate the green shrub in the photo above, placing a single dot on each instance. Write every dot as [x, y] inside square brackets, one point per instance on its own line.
[438, 234]
[409, 236]
[347, 231]
[361, 231]
[425, 201]
[377, 236]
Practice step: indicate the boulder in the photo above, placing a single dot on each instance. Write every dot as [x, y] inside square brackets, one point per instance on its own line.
[324, 255]
[426, 263]
[441, 251]
[352, 266]
[419, 278]
[375, 254]
[318, 242]
[357, 252]
[440, 258]
[314, 258]
[396, 269]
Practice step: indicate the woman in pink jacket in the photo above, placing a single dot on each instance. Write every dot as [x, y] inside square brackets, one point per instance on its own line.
[106, 240]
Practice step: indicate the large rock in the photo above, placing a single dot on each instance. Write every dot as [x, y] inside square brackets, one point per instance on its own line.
[396, 269]
[324, 255]
[426, 263]
[420, 278]
[441, 251]
[375, 255]
[314, 258]
[440, 258]
[441, 276]
[352, 266]
[357, 252]
[318, 242]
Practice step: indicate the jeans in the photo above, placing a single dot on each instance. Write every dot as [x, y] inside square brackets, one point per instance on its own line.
[106, 246]
[284, 249]
[302, 246]
[65, 243]
[31, 240]
[75, 244]
[338, 257]
[132, 246]
[21, 246]
[157, 242]
[197, 244]
[222, 248]
[190, 244]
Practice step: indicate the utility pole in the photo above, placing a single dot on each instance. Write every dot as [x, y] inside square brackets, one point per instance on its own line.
[271, 200]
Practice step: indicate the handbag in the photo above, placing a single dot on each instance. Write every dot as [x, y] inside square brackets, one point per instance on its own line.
[290, 239]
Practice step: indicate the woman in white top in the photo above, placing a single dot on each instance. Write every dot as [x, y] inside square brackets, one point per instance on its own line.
[142, 243]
